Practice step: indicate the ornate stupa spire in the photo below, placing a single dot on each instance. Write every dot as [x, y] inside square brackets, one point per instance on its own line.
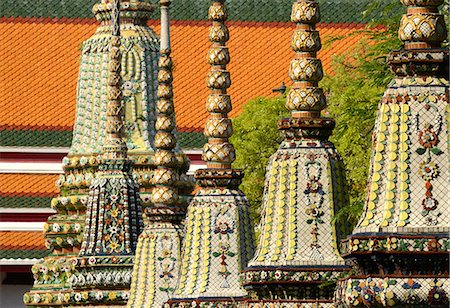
[400, 248]
[218, 152]
[115, 148]
[305, 186]
[159, 247]
[139, 50]
[219, 236]
[113, 215]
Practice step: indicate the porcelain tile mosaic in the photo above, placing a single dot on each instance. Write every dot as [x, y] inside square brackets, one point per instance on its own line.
[84, 167]
[113, 211]
[399, 250]
[219, 235]
[53, 90]
[158, 251]
[304, 187]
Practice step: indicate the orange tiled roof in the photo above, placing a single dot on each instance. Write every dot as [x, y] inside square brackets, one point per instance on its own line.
[22, 240]
[24, 184]
[40, 66]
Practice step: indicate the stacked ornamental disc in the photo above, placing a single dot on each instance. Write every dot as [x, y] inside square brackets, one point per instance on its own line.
[139, 46]
[159, 247]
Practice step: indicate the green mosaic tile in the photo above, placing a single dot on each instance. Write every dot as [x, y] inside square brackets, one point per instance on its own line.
[35, 138]
[192, 140]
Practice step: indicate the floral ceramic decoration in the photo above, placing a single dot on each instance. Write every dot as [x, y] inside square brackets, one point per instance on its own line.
[304, 188]
[219, 234]
[403, 235]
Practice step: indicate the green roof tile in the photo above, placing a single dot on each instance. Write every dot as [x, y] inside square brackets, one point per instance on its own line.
[23, 254]
[57, 138]
[192, 140]
[244, 10]
[35, 138]
[24, 202]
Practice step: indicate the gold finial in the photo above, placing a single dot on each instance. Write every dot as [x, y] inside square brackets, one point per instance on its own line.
[165, 24]
[422, 26]
[165, 194]
[115, 146]
[137, 10]
[305, 99]
[218, 152]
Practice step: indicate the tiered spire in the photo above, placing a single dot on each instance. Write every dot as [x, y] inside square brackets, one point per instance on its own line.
[113, 215]
[400, 247]
[305, 186]
[158, 252]
[219, 236]
[218, 152]
[139, 50]
[115, 147]
[165, 194]
[305, 98]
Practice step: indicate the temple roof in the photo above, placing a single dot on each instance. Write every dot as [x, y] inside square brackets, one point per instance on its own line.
[52, 89]
[36, 185]
[21, 245]
[41, 62]
[249, 10]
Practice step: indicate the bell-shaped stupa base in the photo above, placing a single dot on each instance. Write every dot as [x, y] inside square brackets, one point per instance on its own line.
[218, 242]
[400, 249]
[104, 266]
[297, 255]
[157, 264]
[297, 259]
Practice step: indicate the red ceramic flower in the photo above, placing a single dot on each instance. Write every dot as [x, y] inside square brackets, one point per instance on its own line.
[429, 204]
[428, 138]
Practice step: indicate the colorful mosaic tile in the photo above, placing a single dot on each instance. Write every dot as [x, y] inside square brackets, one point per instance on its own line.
[399, 251]
[158, 253]
[98, 208]
[304, 187]
[219, 233]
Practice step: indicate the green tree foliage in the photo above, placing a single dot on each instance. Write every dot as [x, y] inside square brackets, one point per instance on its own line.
[255, 139]
[354, 91]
